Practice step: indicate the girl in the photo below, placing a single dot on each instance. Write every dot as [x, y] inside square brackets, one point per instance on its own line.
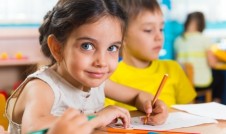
[193, 47]
[82, 38]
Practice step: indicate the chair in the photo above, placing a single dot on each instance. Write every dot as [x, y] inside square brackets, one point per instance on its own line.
[3, 120]
[207, 93]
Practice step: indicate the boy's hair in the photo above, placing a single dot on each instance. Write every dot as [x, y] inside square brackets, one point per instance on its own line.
[198, 17]
[134, 7]
[67, 15]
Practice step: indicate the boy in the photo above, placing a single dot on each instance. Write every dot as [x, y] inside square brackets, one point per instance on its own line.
[140, 67]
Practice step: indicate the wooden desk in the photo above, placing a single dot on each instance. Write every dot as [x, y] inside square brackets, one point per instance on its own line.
[219, 128]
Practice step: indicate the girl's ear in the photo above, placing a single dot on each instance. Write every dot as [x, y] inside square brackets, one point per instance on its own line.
[55, 47]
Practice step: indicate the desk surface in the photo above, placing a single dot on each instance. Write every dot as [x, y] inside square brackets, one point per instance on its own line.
[219, 128]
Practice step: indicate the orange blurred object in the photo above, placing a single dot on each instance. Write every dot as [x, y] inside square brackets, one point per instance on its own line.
[219, 53]
[4, 56]
[19, 55]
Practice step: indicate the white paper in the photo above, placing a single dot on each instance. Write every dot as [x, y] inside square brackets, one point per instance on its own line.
[212, 110]
[174, 120]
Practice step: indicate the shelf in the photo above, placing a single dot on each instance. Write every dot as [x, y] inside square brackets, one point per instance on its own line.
[20, 62]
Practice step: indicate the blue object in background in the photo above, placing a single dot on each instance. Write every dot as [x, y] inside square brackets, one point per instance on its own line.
[167, 3]
[171, 31]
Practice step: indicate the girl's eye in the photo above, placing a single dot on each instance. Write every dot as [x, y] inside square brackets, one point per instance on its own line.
[87, 46]
[113, 48]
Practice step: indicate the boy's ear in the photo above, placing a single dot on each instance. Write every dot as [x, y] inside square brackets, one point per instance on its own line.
[54, 47]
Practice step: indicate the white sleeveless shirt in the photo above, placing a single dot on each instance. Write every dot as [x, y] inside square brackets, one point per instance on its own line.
[65, 96]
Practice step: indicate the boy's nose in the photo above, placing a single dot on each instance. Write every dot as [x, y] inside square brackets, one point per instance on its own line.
[159, 36]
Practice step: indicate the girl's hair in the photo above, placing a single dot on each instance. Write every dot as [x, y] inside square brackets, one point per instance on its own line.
[68, 15]
[134, 7]
[198, 17]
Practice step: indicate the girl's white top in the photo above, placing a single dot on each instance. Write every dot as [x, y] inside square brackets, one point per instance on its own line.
[65, 96]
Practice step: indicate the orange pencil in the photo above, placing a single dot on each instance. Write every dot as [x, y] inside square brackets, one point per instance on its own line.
[157, 94]
[137, 131]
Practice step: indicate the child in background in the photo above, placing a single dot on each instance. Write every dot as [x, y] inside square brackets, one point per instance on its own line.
[192, 47]
[140, 67]
[82, 38]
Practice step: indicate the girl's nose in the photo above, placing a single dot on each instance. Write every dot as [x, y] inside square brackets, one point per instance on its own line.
[100, 60]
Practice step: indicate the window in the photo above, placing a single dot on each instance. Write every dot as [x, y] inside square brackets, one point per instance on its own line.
[24, 12]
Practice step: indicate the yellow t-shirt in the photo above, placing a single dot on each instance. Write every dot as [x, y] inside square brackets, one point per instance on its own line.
[192, 48]
[177, 89]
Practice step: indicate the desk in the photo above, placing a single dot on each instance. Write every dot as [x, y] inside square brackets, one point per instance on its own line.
[219, 128]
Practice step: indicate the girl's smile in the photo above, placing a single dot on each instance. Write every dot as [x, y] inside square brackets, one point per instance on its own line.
[96, 75]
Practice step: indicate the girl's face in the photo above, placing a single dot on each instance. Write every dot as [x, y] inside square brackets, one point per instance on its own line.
[91, 53]
[144, 37]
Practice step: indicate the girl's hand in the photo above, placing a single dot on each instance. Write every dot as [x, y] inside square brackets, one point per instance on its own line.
[158, 113]
[70, 122]
[110, 114]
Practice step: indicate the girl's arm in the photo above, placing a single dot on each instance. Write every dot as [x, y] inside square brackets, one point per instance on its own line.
[37, 100]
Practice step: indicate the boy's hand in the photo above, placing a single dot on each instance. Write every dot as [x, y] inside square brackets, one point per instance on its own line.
[110, 114]
[158, 112]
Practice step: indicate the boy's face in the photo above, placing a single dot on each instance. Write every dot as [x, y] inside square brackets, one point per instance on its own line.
[91, 53]
[144, 37]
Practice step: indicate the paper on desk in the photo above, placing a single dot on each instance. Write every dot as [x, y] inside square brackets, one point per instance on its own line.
[212, 110]
[174, 120]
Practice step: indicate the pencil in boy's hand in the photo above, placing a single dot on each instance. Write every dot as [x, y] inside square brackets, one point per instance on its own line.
[157, 94]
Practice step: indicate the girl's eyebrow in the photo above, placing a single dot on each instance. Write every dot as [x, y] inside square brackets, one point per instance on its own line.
[86, 38]
[94, 40]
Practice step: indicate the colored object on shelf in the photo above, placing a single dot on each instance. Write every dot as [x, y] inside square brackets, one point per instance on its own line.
[4, 56]
[17, 84]
[19, 55]
[4, 93]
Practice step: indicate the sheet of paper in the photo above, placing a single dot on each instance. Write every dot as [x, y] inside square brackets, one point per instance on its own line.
[212, 110]
[175, 120]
